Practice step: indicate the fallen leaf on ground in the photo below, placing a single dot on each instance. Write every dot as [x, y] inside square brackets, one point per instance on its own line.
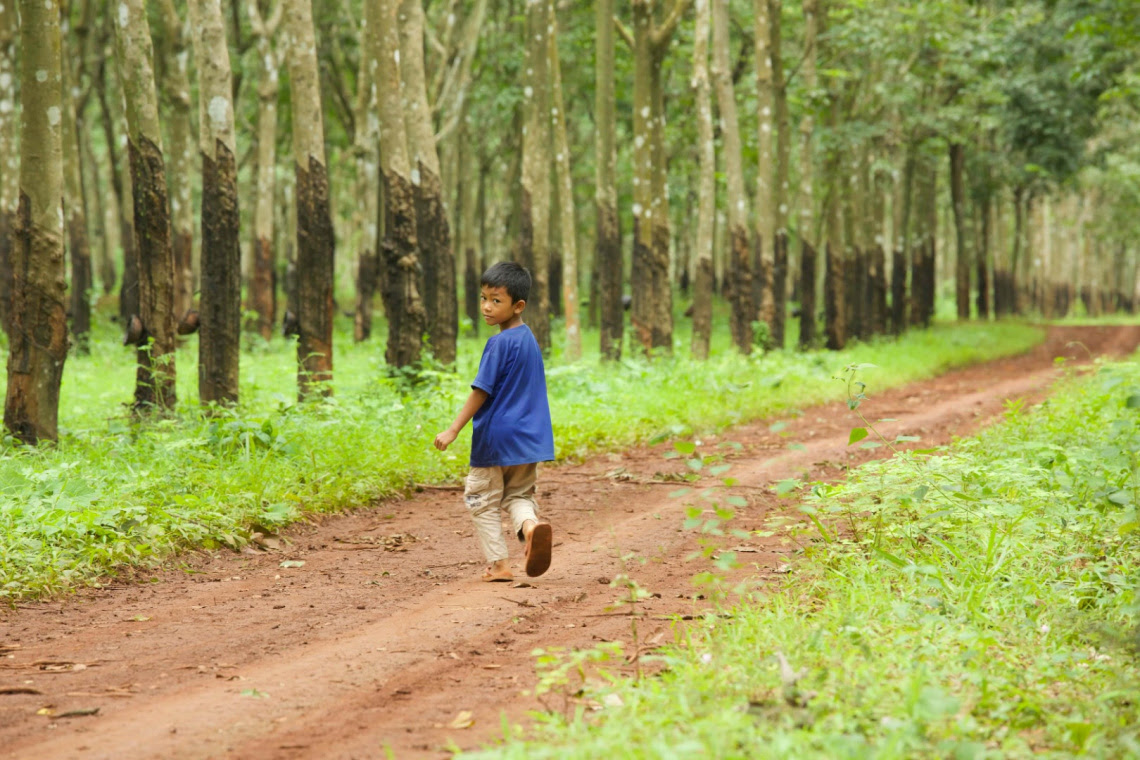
[48, 666]
[79, 713]
[293, 563]
[140, 618]
[463, 720]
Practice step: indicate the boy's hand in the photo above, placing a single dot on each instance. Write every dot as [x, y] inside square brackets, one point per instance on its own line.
[444, 439]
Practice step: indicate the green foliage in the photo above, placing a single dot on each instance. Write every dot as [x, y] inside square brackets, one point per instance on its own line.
[993, 617]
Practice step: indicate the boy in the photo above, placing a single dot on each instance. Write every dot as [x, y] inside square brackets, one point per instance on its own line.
[511, 432]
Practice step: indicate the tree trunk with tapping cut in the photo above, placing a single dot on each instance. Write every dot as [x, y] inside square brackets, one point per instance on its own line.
[607, 250]
[877, 314]
[706, 199]
[433, 232]
[900, 248]
[740, 249]
[78, 246]
[962, 233]
[765, 210]
[535, 197]
[38, 319]
[922, 251]
[316, 244]
[780, 182]
[155, 336]
[403, 304]
[180, 152]
[366, 144]
[9, 155]
[219, 345]
[807, 189]
[262, 282]
[567, 225]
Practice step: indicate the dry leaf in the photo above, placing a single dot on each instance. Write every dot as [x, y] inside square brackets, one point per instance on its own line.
[463, 720]
[293, 563]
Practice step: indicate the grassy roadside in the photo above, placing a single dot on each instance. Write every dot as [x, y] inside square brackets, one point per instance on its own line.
[118, 492]
[979, 602]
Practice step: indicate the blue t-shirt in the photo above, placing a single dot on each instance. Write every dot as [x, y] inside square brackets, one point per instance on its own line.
[513, 425]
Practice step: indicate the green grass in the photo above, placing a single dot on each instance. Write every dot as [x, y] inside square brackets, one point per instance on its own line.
[980, 602]
[118, 492]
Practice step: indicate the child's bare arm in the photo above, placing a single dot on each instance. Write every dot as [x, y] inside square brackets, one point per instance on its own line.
[474, 401]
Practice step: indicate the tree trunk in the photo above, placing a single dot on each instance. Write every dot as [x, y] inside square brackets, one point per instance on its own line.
[107, 273]
[835, 252]
[316, 244]
[403, 304]
[78, 246]
[765, 210]
[366, 215]
[535, 197]
[567, 226]
[176, 93]
[432, 229]
[961, 229]
[470, 187]
[38, 327]
[985, 223]
[780, 179]
[900, 250]
[219, 345]
[807, 190]
[262, 288]
[607, 251]
[877, 258]
[706, 198]
[155, 336]
[10, 169]
[923, 250]
[740, 251]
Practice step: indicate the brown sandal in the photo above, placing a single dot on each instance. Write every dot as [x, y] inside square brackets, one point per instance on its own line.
[538, 549]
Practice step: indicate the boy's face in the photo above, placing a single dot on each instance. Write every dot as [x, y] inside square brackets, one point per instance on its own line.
[497, 307]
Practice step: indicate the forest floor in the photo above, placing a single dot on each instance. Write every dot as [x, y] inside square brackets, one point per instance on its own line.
[370, 630]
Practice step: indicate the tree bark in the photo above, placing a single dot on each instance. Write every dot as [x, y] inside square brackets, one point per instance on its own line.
[567, 226]
[780, 180]
[9, 155]
[878, 315]
[38, 327]
[107, 273]
[535, 197]
[176, 92]
[403, 304]
[740, 250]
[219, 345]
[155, 379]
[470, 187]
[706, 186]
[900, 249]
[316, 244]
[923, 250]
[961, 229]
[607, 242]
[807, 190]
[366, 215]
[432, 229]
[262, 284]
[78, 246]
[765, 210]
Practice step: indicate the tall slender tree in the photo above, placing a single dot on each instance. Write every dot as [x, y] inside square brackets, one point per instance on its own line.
[219, 347]
[38, 326]
[535, 198]
[316, 244]
[607, 241]
[403, 304]
[78, 245]
[567, 227]
[366, 146]
[765, 211]
[739, 249]
[780, 182]
[807, 187]
[432, 229]
[9, 153]
[706, 197]
[263, 281]
[153, 333]
[962, 232]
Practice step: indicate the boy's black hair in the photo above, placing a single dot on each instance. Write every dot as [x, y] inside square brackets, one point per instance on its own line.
[507, 274]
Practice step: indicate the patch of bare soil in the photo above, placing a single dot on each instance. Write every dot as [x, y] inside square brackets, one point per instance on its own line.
[369, 630]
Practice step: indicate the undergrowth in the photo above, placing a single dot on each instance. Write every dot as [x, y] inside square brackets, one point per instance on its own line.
[117, 491]
[978, 601]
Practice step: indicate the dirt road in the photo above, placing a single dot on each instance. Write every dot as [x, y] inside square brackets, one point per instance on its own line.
[369, 630]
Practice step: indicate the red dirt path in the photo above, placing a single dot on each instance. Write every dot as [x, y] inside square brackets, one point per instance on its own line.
[368, 646]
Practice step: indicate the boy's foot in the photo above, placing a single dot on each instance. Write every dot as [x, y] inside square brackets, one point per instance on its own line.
[493, 574]
[539, 543]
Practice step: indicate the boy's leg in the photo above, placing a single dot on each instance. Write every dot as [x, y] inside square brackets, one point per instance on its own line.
[483, 495]
[518, 498]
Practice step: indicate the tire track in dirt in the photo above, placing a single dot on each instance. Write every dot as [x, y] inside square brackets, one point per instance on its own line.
[374, 644]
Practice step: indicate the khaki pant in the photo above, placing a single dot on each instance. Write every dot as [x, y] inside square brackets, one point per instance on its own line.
[492, 489]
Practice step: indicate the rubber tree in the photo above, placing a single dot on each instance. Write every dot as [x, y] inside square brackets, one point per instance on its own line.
[433, 232]
[607, 226]
[9, 153]
[78, 245]
[534, 243]
[808, 331]
[403, 303]
[568, 227]
[780, 182]
[706, 185]
[316, 244]
[739, 247]
[219, 345]
[652, 307]
[765, 210]
[263, 279]
[154, 331]
[37, 345]
[366, 148]
[175, 77]
[962, 232]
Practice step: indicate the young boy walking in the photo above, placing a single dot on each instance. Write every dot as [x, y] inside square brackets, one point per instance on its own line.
[511, 432]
